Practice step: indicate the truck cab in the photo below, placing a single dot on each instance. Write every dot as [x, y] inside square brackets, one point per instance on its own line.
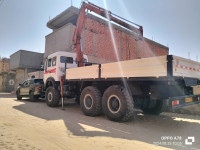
[55, 66]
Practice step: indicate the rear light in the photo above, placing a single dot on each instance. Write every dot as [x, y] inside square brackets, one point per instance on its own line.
[175, 102]
[38, 87]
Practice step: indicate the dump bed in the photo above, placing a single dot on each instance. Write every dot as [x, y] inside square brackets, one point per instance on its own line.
[161, 66]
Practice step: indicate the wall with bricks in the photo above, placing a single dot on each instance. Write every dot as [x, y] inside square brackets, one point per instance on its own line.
[36, 74]
[4, 64]
[97, 41]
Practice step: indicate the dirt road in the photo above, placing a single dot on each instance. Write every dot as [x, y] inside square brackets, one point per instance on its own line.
[28, 125]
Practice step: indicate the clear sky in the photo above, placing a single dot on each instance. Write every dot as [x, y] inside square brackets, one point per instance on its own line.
[173, 23]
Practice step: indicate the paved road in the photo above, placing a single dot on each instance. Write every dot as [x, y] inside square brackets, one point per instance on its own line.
[32, 125]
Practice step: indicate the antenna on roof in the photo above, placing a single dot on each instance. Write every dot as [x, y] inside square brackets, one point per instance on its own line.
[188, 55]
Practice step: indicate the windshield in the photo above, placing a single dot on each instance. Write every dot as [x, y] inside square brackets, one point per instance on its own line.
[64, 59]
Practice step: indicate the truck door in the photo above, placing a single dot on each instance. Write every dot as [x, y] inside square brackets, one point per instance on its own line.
[50, 68]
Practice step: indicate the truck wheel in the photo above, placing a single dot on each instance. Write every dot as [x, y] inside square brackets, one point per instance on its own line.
[52, 97]
[18, 95]
[117, 104]
[90, 101]
[33, 97]
[156, 109]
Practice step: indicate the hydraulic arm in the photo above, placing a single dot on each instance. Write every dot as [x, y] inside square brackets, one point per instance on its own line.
[104, 13]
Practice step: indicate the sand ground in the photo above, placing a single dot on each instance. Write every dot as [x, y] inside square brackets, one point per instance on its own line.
[26, 125]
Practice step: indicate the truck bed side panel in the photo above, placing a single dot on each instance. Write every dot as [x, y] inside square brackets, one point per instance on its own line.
[146, 67]
[87, 72]
[185, 68]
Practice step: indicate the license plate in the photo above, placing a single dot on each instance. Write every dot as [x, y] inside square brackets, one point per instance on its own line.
[187, 100]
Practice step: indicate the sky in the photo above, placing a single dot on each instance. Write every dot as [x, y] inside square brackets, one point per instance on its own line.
[173, 23]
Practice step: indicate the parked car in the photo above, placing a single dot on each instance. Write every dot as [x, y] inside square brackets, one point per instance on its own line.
[30, 88]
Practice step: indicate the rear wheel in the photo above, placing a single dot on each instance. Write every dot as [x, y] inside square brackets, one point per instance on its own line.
[90, 101]
[18, 95]
[155, 109]
[33, 97]
[52, 97]
[117, 104]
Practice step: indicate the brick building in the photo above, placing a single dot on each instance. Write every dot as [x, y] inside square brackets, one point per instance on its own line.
[6, 77]
[96, 39]
[4, 64]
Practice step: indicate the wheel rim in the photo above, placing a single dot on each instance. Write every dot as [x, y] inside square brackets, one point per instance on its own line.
[88, 101]
[50, 96]
[114, 104]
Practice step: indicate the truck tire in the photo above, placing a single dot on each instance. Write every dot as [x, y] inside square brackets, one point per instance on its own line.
[18, 95]
[117, 104]
[33, 97]
[156, 109]
[52, 97]
[90, 101]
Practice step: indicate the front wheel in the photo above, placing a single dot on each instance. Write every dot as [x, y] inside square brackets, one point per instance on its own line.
[52, 97]
[18, 95]
[33, 97]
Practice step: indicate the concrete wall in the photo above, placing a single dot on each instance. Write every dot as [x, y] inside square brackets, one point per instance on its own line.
[26, 59]
[1, 82]
[22, 75]
[15, 60]
[37, 74]
[8, 82]
[59, 40]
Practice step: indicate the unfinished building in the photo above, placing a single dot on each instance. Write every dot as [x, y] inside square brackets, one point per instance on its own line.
[23, 62]
[97, 41]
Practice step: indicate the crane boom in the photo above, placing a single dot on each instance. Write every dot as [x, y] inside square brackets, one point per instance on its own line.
[104, 13]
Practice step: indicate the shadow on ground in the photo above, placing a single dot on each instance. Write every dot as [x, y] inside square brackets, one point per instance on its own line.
[144, 128]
